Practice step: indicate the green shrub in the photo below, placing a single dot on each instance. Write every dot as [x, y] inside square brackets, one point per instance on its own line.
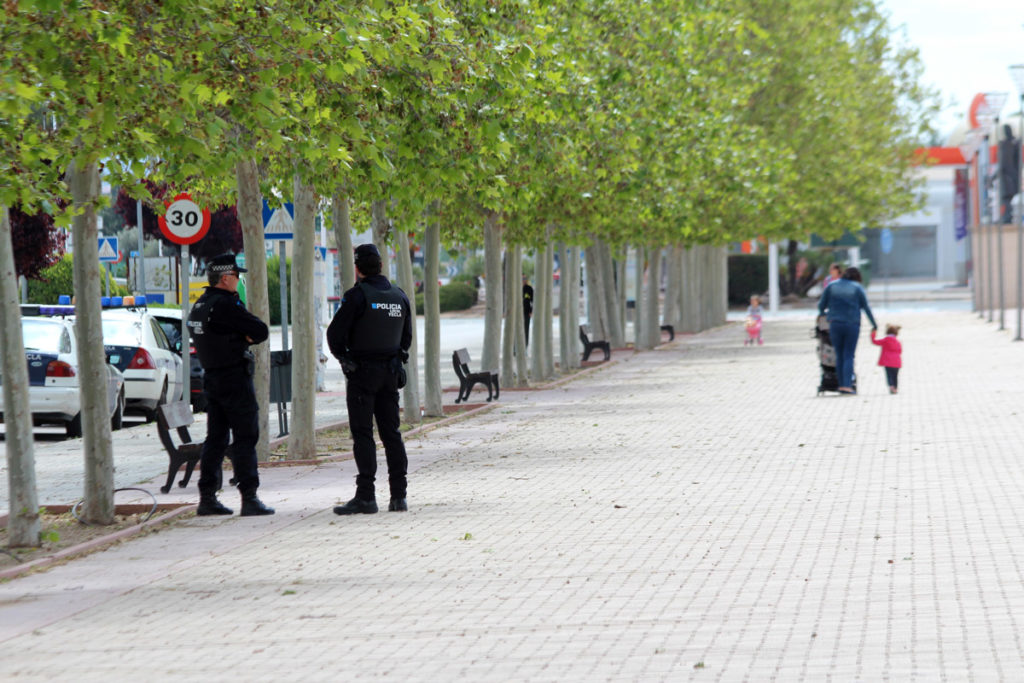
[456, 296]
[468, 278]
[59, 279]
[748, 274]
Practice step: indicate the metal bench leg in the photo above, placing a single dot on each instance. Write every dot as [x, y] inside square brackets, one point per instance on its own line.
[176, 461]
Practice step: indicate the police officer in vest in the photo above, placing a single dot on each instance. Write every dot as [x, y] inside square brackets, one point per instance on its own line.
[222, 331]
[370, 335]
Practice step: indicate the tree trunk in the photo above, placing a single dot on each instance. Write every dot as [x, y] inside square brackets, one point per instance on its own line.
[411, 392]
[594, 290]
[536, 348]
[433, 400]
[575, 348]
[84, 183]
[564, 315]
[302, 439]
[621, 290]
[642, 292]
[610, 297]
[493, 295]
[670, 313]
[250, 216]
[343, 239]
[721, 294]
[380, 226]
[515, 307]
[652, 299]
[508, 337]
[548, 313]
[23, 527]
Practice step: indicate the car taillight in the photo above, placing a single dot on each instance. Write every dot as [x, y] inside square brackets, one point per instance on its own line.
[192, 349]
[142, 361]
[58, 368]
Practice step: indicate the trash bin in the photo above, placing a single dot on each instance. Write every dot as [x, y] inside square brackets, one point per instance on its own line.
[280, 376]
[281, 386]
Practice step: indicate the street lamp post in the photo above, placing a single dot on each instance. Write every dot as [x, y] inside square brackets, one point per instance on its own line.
[1017, 73]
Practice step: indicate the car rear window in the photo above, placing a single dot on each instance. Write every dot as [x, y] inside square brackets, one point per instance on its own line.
[41, 335]
[171, 328]
[124, 332]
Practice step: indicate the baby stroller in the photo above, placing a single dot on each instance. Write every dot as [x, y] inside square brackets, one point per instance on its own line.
[753, 327]
[827, 359]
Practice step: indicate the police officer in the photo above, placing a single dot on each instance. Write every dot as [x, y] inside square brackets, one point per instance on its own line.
[370, 335]
[222, 331]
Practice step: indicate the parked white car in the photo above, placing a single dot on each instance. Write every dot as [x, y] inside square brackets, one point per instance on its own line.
[152, 369]
[51, 350]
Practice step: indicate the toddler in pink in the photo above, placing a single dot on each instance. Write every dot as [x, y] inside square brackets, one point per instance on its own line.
[891, 353]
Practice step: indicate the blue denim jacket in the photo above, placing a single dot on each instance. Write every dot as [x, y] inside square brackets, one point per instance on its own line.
[844, 300]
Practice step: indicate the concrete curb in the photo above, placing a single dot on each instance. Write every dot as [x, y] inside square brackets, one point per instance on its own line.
[93, 545]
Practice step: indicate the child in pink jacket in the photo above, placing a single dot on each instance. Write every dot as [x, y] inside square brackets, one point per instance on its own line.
[890, 358]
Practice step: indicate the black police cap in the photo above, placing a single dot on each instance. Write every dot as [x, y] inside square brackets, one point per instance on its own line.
[225, 263]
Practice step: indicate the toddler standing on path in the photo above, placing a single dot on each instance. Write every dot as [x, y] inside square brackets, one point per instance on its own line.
[891, 354]
[753, 323]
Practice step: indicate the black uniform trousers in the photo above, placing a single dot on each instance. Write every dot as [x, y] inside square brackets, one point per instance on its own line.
[231, 407]
[372, 392]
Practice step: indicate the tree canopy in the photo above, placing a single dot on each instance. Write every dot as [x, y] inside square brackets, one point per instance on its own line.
[698, 122]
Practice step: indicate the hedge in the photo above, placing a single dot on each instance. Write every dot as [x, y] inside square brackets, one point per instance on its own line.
[455, 296]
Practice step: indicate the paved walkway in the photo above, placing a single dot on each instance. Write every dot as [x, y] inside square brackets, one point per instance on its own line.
[691, 513]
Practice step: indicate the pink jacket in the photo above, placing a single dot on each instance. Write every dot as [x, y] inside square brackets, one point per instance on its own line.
[891, 350]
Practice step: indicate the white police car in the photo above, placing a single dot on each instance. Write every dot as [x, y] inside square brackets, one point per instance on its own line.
[152, 369]
[51, 350]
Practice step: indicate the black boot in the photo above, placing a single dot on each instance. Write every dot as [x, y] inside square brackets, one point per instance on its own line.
[253, 506]
[356, 506]
[209, 505]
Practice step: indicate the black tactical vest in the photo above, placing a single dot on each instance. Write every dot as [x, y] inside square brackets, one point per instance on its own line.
[379, 329]
[215, 349]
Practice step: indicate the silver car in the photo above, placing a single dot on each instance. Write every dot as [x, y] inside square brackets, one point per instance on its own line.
[51, 351]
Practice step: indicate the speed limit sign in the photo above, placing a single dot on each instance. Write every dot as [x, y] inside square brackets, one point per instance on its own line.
[184, 222]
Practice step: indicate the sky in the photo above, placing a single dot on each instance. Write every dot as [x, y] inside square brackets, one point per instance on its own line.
[966, 47]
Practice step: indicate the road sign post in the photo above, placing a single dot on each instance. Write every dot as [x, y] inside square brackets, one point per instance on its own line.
[279, 225]
[185, 223]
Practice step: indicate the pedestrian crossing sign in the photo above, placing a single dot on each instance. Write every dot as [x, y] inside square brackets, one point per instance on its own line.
[108, 250]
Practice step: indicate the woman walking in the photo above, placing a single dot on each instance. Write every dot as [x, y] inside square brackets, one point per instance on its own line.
[841, 303]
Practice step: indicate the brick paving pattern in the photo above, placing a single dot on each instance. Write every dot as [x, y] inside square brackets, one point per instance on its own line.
[691, 513]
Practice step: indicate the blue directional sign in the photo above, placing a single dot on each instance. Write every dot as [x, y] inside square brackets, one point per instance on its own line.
[108, 250]
[278, 224]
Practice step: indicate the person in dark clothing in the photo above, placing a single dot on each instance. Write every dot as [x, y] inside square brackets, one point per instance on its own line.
[370, 336]
[222, 331]
[1009, 174]
[843, 300]
[527, 308]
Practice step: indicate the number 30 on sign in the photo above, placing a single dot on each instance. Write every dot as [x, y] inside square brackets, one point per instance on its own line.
[184, 222]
